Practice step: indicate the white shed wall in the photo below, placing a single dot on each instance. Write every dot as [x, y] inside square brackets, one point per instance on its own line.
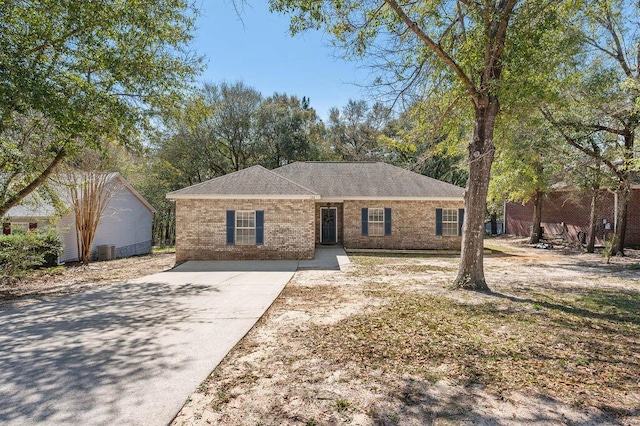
[67, 230]
[125, 223]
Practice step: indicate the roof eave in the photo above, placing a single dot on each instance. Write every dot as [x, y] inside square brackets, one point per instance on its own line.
[389, 198]
[174, 196]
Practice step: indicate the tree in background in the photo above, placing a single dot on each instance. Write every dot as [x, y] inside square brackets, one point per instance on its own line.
[526, 166]
[230, 124]
[354, 130]
[224, 128]
[78, 72]
[587, 173]
[601, 112]
[482, 52]
[420, 141]
[286, 129]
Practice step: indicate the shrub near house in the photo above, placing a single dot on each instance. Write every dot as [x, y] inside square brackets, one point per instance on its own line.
[22, 251]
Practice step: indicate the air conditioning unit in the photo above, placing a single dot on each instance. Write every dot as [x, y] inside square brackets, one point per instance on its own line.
[106, 252]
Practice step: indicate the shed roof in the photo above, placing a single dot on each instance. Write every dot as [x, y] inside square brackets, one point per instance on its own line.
[252, 182]
[35, 206]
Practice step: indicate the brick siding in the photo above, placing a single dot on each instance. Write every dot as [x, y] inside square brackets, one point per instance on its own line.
[413, 225]
[572, 208]
[201, 230]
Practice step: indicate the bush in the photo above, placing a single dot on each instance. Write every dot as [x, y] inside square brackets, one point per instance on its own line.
[22, 252]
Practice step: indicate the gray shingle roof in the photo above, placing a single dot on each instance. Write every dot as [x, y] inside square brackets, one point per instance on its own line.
[366, 179]
[43, 209]
[253, 182]
[323, 180]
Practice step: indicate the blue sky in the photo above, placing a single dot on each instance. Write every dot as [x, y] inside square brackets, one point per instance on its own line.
[260, 52]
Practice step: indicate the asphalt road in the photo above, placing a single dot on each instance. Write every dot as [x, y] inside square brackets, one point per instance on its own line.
[131, 353]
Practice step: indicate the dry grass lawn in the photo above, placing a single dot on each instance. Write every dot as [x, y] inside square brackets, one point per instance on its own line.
[386, 343]
[75, 278]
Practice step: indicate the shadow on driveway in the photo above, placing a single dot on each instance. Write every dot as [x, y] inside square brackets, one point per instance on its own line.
[128, 353]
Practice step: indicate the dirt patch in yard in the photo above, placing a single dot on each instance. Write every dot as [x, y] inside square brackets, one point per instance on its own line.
[385, 342]
[75, 278]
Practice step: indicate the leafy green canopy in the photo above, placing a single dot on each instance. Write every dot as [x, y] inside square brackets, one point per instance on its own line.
[453, 59]
[80, 72]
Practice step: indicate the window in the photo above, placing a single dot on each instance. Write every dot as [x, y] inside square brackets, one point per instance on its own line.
[245, 227]
[376, 222]
[17, 227]
[449, 222]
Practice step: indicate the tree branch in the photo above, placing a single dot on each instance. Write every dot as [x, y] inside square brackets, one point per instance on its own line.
[20, 195]
[619, 51]
[435, 47]
[571, 141]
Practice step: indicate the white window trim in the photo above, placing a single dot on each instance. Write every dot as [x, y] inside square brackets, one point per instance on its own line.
[457, 223]
[376, 222]
[237, 216]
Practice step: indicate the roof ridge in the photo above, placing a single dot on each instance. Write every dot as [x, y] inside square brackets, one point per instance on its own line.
[337, 162]
[291, 181]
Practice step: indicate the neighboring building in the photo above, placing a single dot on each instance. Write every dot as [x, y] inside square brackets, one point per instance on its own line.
[566, 213]
[283, 213]
[125, 223]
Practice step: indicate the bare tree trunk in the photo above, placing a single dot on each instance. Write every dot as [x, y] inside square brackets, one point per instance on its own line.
[481, 152]
[536, 230]
[591, 242]
[624, 195]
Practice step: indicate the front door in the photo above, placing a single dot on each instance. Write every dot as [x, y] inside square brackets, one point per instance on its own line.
[328, 225]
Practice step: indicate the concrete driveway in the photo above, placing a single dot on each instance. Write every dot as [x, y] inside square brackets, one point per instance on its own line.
[131, 353]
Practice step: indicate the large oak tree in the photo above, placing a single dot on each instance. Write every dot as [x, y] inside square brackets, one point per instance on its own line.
[484, 52]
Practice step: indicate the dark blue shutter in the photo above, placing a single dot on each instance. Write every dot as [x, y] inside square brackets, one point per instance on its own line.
[231, 227]
[460, 220]
[259, 227]
[438, 221]
[387, 221]
[365, 221]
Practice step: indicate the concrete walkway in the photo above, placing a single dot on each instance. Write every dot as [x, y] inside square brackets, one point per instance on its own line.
[129, 354]
[327, 258]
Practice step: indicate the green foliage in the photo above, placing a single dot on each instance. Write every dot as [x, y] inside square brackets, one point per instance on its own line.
[419, 140]
[287, 130]
[355, 131]
[528, 162]
[23, 251]
[75, 73]
[224, 128]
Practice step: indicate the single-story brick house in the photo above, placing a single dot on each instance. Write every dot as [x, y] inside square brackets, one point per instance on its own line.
[566, 213]
[283, 213]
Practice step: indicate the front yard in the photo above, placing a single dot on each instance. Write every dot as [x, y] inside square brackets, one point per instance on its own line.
[386, 343]
[75, 278]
